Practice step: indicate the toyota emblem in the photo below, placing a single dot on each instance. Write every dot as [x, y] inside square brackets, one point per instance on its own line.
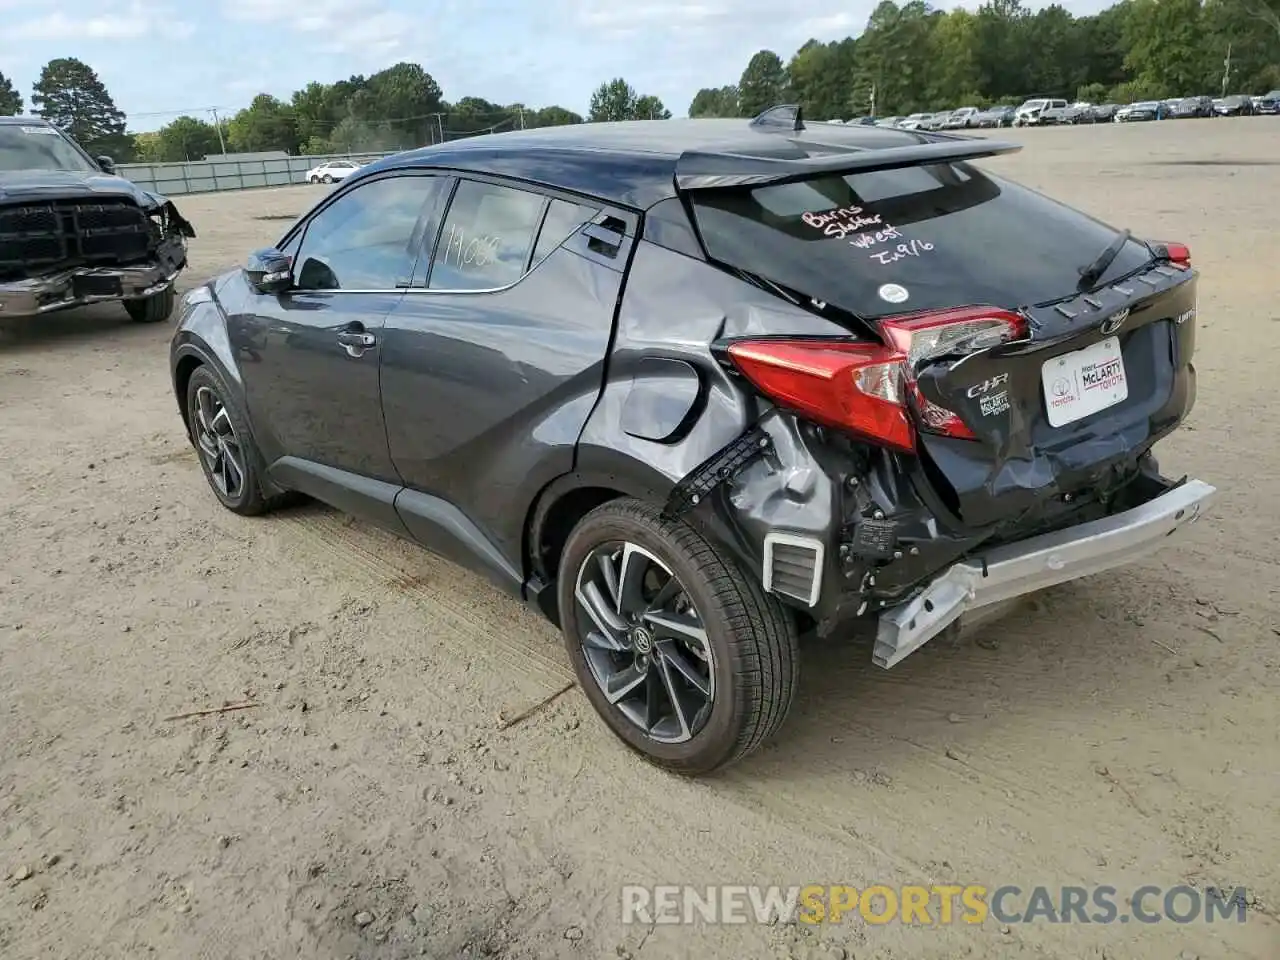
[1114, 322]
[1061, 387]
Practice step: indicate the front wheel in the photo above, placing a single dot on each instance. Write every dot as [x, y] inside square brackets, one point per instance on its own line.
[687, 659]
[222, 439]
[153, 309]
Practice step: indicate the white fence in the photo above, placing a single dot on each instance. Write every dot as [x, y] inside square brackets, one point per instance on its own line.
[207, 176]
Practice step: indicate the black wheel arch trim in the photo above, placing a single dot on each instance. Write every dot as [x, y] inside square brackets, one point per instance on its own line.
[189, 346]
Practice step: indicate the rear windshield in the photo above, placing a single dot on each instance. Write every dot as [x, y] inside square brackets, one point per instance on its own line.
[894, 241]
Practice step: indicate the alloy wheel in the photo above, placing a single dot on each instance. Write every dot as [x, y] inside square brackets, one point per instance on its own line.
[220, 448]
[644, 642]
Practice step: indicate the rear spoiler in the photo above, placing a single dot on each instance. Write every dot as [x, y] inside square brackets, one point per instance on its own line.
[712, 171]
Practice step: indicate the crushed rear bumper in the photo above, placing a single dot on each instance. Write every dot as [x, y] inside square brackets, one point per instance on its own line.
[1016, 569]
[84, 285]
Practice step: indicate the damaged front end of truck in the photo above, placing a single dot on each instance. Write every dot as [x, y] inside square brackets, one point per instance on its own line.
[72, 234]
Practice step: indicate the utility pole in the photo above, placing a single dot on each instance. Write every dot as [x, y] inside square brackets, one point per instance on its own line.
[1226, 71]
[218, 123]
[522, 118]
[873, 99]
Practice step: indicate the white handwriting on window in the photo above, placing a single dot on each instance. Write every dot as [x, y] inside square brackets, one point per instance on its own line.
[840, 223]
[476, 252]
[912, 248]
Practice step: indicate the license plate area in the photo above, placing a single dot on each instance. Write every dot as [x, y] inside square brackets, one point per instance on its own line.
[84, 286]
[1084, 382]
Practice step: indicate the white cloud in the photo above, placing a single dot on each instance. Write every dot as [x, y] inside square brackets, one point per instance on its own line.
[138, 19]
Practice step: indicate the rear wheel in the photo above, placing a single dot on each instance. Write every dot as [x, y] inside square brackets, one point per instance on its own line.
[153, 309]
[687, 659]
[222, 440]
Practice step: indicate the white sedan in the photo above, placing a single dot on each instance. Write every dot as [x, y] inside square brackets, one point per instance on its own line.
[332, 171]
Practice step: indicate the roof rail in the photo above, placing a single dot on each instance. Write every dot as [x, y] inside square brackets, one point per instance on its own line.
[786, 116]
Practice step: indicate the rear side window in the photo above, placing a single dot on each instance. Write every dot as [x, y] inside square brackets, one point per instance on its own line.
[562, 219]
[487, 238]
[895, 241]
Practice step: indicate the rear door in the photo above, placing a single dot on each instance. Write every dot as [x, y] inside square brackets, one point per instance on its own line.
[1101, 367]
[495, 357]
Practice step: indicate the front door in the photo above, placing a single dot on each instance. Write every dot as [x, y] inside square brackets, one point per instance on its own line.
[312, 386]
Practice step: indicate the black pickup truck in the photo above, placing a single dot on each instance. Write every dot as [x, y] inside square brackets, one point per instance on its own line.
[74, 233]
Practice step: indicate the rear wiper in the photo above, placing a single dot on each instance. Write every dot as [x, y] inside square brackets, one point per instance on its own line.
[1089, 275]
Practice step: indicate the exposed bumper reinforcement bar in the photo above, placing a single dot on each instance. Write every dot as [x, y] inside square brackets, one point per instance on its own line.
[81, 286]
[1016, 569]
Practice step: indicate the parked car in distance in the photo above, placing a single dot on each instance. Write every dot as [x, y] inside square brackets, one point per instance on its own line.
[915, 121]
[1028, 115]
[1189, 107]
[73, 233]
[1103, 112]
[1236, 105]
[961, 119]
[1141, 111]
[996, 117]
[686, 420]
[1267, 103]
[889, 121]
[331, 171]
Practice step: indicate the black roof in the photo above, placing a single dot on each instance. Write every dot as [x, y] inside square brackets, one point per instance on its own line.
[634, 163]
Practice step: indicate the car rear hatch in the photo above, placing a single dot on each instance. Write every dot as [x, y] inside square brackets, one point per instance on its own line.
[1026, 354]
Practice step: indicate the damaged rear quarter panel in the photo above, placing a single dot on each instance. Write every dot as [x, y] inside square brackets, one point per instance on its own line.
[673, 309]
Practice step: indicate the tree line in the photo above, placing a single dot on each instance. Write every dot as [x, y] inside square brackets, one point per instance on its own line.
[397, 108]
[910, 57]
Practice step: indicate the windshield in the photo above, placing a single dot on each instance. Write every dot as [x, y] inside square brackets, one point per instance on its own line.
[916, 238]
[38, 147]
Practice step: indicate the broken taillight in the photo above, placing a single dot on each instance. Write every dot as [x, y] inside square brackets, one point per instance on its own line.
[870, 389]
[1178, 254]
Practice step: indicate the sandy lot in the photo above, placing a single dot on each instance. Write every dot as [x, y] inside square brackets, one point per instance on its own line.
[1118, 731]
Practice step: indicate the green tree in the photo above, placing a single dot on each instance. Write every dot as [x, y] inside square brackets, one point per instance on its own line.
[615, 100]
[650, 107]
[552, 117]
[715, 102]
[186, 138]
[69, 94]
[763, 84]
[10, 99]
[1166, 53]
[403, 96]
[266, 124]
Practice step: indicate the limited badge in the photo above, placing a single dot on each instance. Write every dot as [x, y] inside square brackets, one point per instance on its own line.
[893, 293]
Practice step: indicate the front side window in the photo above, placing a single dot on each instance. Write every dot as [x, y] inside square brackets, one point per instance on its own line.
[366, 239]
[487, 237]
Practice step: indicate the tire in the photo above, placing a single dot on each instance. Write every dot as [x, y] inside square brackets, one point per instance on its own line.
[315, 179]
[153, 309]
[327, 178]
[748, 677]
[245, 498]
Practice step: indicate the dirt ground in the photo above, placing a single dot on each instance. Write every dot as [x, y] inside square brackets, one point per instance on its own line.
[1121, 730]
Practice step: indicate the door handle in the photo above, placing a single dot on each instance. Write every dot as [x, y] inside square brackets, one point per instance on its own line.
[356, 343]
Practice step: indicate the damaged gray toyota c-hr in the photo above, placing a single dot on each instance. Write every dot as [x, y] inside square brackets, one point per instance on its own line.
[72, 233]
[692, 387]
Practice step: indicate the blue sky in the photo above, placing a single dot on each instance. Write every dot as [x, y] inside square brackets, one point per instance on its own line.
[159, 58]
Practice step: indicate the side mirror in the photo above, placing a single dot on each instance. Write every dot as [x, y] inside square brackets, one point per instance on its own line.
[269, 270]
[106, 163]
